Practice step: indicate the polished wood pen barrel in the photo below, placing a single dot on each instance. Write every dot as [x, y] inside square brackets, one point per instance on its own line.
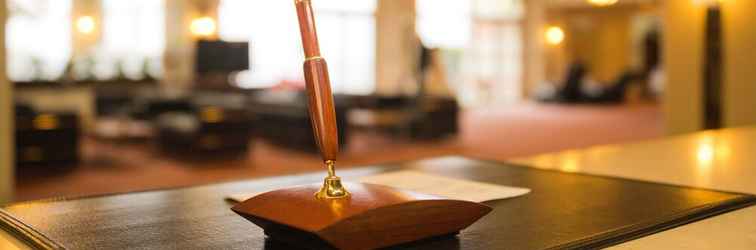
[322, 112]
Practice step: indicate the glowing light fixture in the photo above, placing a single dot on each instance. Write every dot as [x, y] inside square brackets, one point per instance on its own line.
[85, 24]
[554, 35]
[45, 122]
[602, 2]
[212, 115]
[203, 27]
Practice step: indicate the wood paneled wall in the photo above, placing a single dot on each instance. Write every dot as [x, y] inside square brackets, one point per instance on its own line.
[739, 90]
[683, 63]
[6, 120]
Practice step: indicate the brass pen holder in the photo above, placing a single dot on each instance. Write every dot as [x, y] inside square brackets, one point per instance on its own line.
[332, 188]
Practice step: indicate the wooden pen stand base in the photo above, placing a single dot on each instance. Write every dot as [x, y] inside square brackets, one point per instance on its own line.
[373, 216]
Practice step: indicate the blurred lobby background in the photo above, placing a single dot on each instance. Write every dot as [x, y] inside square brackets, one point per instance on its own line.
[112, 96]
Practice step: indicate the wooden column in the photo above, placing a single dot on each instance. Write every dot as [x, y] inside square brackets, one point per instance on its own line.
[6, 121]
[396, 47]
[683, 63]
[533, 54]
[712, 113]
[180, 44]
[739, 80]
[85, 44]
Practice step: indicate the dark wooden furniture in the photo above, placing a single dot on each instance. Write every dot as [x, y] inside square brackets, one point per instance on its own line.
[282, 119]
[436, 118]
[563, 211]
[47, 138]
[429, 118]
[209, 130]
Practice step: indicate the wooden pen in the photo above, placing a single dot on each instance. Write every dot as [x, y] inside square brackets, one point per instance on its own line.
[320, 99]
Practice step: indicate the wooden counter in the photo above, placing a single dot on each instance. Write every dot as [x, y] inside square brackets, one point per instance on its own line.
[573, 203]
[721, 160]
[564, 210]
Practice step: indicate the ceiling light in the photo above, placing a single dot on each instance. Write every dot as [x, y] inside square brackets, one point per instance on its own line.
[85, 24]
[203, 27]
[602, 2]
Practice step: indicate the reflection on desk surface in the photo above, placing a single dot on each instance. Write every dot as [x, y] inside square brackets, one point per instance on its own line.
[9, 242]
[721, 160]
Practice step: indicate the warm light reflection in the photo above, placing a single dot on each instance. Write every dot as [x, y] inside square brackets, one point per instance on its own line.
[212, 115]
[541, 161]
[85, 24]
[45, 122]
[337, 206]
[712, 149]
[203, 27]
[705, 154]
[602, 2]
[554, 35]
[571, 162]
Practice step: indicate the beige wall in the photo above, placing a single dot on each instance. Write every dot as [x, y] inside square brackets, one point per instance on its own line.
[6, 122]
[684, 46]
[739, 53]
[558, 57]
[600, 37]
[396, 46]
[84, 44]
[179, 49]
[534, 71]
[683, 63]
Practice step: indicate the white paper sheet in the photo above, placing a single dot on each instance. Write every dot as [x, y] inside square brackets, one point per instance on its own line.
[433, 184]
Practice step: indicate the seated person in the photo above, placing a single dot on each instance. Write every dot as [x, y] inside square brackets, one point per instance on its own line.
[579, 88]
[614, 93]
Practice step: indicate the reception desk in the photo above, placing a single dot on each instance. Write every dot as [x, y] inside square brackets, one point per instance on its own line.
[685, 192]
[719, 160]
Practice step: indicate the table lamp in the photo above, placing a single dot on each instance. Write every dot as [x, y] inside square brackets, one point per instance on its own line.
[348, 215]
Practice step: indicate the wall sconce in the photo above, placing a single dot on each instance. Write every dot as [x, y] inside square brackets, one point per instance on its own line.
[85, 24]
[203, 27]
[602, 3]
[554, 35]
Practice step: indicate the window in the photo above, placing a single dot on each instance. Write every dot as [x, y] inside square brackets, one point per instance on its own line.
[347, 38]
[444, 23]
[38, 37]
[497, 49]
[487, 34]
[133, 37]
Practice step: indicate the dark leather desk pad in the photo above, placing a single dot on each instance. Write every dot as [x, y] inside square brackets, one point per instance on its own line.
[563, 211]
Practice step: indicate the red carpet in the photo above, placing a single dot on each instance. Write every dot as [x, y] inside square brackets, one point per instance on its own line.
[535, 128]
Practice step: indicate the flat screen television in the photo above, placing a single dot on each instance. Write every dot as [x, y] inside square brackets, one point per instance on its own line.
[221, 56]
